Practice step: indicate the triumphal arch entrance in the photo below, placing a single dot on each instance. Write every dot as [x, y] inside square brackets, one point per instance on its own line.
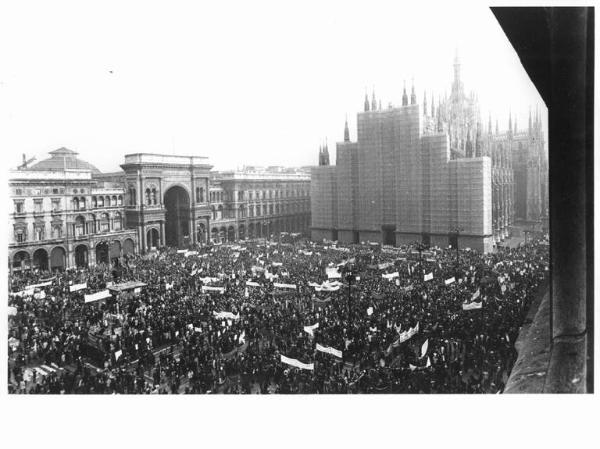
[167, 199]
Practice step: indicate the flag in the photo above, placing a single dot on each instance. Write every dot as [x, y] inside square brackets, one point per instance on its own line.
[309, 329]
[428, 364]
[428, 277]
[118, 354]
[246, 294]
[424, 348]
[476, 295]
[242, 338]
[450, 281]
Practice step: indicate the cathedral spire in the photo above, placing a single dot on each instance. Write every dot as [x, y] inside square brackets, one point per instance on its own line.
[432, 106]
[509, 122]
[489, 123]
[425, 103]
[373, 101]
[497, 131]
[366, 102]
[413, 96]
[515, 132]
[404, 96]
[346, 131]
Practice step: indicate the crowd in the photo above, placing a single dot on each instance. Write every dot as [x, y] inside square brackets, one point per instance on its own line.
[249, 317]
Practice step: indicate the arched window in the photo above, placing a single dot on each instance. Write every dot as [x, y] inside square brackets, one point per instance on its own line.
[100, 201]
[104, 223]
[113, 200]
[94, 201]
[201, 200]
[197, 194]
[120, 200]
[75, 203]
[79, 226]
[107, 201]
[133, 197]
[117, 222]
[82, 203]
[154, 201]
[220, 212]
[148, 199]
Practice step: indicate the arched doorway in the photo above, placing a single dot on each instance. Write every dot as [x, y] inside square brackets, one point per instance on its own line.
[128, 247]
[21, 261]
[153, 238]
[242, 232]
[201, 234]
[40, 259]
[251, 231]
[114, 251]
[58, 258]
[230, 234]
[102, 253]
[214, 234]
[81, 256]
[222, 234]
[177, 225]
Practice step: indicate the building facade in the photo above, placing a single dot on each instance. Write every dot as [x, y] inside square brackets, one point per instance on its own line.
[424, 173]
[256, 203]
[65, 213]
[60, 216]
[398, 184]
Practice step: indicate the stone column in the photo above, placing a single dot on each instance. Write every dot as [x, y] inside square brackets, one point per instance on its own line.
[162, 233]
[570, 164]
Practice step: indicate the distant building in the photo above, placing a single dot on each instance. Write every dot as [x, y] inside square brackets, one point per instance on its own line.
[60, 216]
[427, 174]
[65, 213]
[251, 203]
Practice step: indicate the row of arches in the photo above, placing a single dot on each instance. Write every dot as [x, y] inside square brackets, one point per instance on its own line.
[258, 229]
[79, 203]
[56, 258]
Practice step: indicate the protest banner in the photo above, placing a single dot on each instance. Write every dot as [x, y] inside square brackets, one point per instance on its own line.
[206, 288]
[472, 306]
[329, 350]
[97, 296]
[428, 277]
[297, 363]
[77, 287]
[290, 286]
[450, 281]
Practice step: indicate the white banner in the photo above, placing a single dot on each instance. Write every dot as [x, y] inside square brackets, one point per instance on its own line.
[297, 363]
[118, 354]
[292, 286]
[370, 311]
[383, 266]
[181, 251]
[206, 288]
[309, 329]
[450, 281]
[390, 276]
[428, 277]
[208, 279]
[406, 335]
[277, 264]
[472, 306]
[475, 295]
[77, 287]
[329, 350]
[42, 284]
[191, 253]
[227, 315]
[97, 296]
[252, 284]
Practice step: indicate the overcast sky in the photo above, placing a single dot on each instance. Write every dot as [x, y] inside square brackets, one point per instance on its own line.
[241, 82]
